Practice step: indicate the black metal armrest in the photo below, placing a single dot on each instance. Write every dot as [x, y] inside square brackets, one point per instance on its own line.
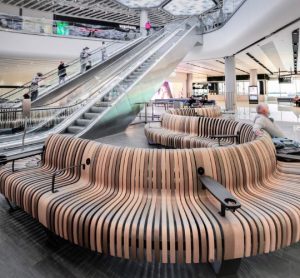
[58, 172]
[288, 157]
[224, 136]
[15, 157]
[226, 199]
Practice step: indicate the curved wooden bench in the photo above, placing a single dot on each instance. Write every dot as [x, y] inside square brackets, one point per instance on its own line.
[178, 131]
[214, 111]
[24, 187]
[150, 204]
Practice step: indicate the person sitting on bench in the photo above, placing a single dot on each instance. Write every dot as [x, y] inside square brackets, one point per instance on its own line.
[296, 100]
[263, 121]
[191, 101]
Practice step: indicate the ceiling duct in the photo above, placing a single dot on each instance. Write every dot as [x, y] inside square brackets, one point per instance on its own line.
[258, 62]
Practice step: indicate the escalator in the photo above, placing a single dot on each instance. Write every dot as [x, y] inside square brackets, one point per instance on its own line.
[113, 104]
[51, 88]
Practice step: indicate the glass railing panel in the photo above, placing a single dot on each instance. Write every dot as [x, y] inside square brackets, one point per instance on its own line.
[66, 28]
[50, 80]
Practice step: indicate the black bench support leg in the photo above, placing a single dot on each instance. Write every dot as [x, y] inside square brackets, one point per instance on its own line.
[226, 268]
[52, 239]
[11, 207]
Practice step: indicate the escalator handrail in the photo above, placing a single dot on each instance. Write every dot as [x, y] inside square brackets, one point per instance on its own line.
[132, 51]
[16, 110]
[99, 96]
[52, 72]
[92, 101]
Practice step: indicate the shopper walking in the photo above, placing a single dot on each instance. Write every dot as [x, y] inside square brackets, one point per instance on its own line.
[84, 58]
[148, 27]
[34, 87]
[62, 73]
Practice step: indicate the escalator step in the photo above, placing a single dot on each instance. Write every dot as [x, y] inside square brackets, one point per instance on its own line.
[104, 104]
[90, 115]
[82, 122]
[95, 109]
[74, 129]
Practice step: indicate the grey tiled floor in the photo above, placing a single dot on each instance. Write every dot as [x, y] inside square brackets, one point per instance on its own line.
[133, 136]
[27, 252]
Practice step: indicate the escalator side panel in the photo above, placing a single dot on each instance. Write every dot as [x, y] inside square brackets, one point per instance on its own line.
[118, 117]
[78, 81]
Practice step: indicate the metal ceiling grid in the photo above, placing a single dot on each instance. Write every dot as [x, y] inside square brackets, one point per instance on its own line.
[107, 10]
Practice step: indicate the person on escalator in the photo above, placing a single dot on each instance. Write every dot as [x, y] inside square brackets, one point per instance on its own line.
[62, 73]
[103, 52]
[89, 65]
[84, 58]
[34, 86]
[148, 27]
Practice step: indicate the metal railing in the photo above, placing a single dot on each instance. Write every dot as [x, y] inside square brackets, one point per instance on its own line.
[50, 80]
[136, 57]
[43, 26]
[47, 116]
[217, 17]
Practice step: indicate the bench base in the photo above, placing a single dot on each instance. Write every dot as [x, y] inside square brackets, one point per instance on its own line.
[226, 268]
[11, 207]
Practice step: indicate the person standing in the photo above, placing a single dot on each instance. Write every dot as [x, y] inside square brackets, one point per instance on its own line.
[89, 65]
[148, 27]
[34, 86]
[84, 57]
[62, 73]
[103, 52]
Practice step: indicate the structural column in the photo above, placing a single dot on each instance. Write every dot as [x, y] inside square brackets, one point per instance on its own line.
[230, 84]
[143, 20]
[189, 84]
[253, 77]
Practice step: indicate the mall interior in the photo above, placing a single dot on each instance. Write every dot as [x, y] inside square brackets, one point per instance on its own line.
[149, 138]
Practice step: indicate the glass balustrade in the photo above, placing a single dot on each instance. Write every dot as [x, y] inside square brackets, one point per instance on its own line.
[44, 26]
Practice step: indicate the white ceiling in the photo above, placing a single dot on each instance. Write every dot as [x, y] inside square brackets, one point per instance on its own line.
[274, 52]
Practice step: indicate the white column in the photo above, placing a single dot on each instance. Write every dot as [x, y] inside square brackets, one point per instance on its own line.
[143, 20]
[253, 77]
[230, 84]
[189, 84]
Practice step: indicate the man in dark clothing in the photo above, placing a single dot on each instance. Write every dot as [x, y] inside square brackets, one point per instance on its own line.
[62, 73]
[191, 101]
[89, 65]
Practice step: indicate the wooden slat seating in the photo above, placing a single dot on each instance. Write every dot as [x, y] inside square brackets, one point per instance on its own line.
[214, 111]
[149, 204]
[195, 132]
[25, 186]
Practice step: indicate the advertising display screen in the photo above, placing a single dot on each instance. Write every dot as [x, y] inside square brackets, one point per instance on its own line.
[253, 94]
[62, 28]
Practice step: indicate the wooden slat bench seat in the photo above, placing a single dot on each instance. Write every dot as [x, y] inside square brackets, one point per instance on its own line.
[24, 186]
[178, 131]
[149, 204]
[213, 112]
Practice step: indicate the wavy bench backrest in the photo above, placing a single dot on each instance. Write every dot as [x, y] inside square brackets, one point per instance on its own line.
[122, 169]
[214, 111]
[64, 151]
[184, 124]
[208, 111]
[241, 165]
[206, 127]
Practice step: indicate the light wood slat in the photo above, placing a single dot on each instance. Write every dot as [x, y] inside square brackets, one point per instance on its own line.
[148, 204]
